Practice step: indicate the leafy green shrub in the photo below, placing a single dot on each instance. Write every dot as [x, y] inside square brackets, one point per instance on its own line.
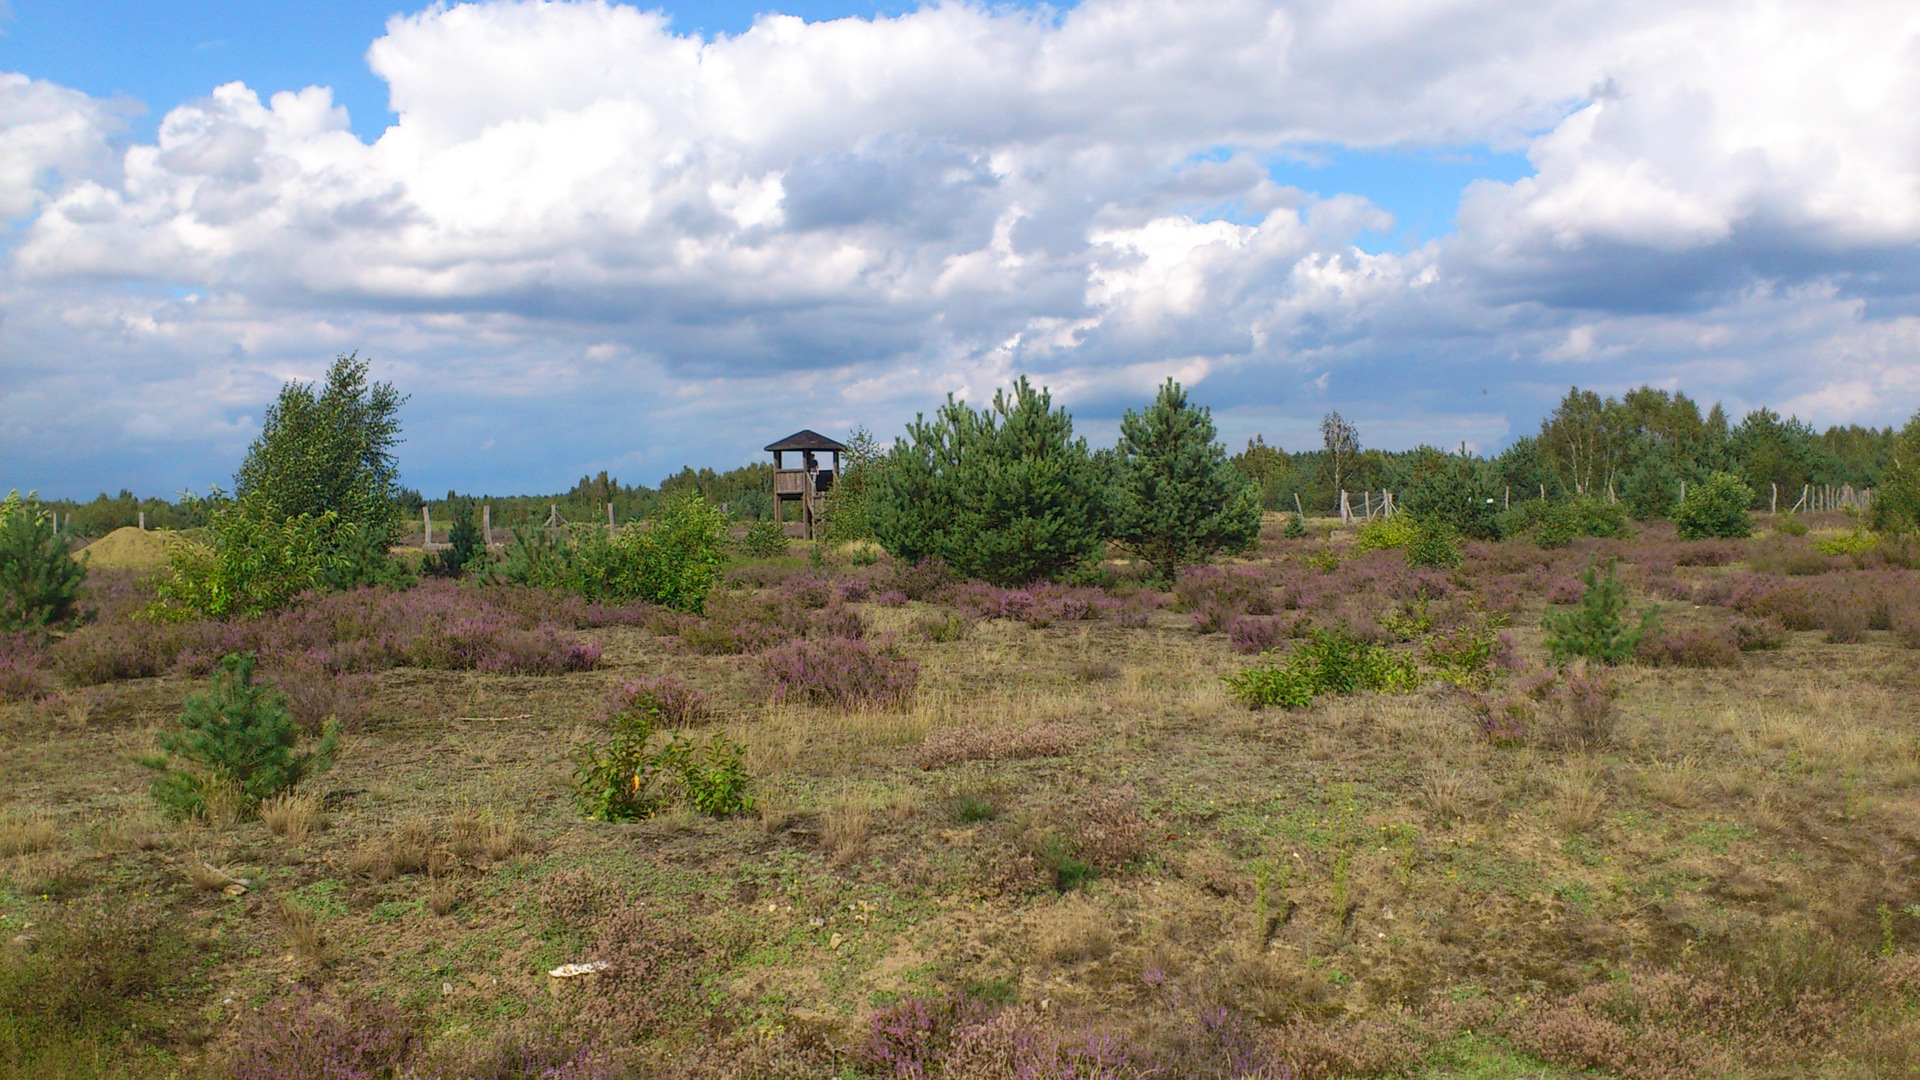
[39, 582]
[1382, 534]
[1296, 527]
[1177, 499]
[1791, 525]
[673, 562]
[1328, 662]
[1432, 542]
[250, 563]
[1857, 542]
[238, 733]
[1716, 507]
[1557, 522]
[1464, 655]
[764, 539]
[1596, 628]
[1005, 494]
[627, 780]
[329, 452]
[1896, 502]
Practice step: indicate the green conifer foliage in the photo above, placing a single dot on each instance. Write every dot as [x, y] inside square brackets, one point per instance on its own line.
[237, 732]
[39, 583]
[1178, 500]
[1596, 628]
[1006, 494]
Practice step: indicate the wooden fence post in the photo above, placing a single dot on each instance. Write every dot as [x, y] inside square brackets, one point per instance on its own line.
[1298, 509]
[486, 524]
[1506, 500]
[553, 515]
[609, 517]
[143, 521]
[1774, 507]
[426, 526]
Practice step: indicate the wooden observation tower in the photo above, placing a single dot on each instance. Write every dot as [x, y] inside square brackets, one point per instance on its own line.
[804, 488]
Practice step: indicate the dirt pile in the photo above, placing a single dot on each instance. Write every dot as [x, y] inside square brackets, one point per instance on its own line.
[127, 549]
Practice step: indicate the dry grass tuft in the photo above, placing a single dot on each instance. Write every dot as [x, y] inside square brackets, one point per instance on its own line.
[843, 832]
[225, 804]
[303, 933]
[466, 831]
[502, 837]
[291, 815]
[1677, 784]
[1580, 797]
[444, 895]
[1450, 795]
[23, 834]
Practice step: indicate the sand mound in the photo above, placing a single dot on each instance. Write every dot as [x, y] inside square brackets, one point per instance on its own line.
[127, 549]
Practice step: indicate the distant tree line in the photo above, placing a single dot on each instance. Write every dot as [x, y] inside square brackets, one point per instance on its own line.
[1635, 449]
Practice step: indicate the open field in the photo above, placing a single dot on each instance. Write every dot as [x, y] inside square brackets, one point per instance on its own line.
[1069, 853]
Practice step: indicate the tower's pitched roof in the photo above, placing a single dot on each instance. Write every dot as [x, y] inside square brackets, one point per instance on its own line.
[806, 439]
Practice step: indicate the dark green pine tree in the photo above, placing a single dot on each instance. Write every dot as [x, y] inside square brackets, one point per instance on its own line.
[1006, 494]
[1177, 498]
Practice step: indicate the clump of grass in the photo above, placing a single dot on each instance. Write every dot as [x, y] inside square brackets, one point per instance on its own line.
[1095, 670]
[23, 834]
[291, 815]
[844, 830]
[973, 807]
[302, 931]
[1058, 857]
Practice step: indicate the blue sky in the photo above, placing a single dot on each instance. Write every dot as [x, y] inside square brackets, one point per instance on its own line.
[588, 246]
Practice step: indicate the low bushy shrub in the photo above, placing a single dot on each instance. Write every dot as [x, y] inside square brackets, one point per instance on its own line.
[39, 582]
[1690, 649]
[238, 733]
[836, 671]
[627, 779]
[1214, 596]
[676, 704]
[1755, 634]
[1597, 628]
[1384, 533]
[1329, 661]
[311, 1036]
[1567, 709]
[1715, 507]
[1464, 655]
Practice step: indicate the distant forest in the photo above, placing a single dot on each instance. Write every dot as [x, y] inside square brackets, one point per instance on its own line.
[1644, 439]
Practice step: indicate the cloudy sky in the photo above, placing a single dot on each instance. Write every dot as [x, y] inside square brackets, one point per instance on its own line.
[587, 235]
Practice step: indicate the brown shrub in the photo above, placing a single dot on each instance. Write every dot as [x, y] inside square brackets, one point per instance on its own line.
[1368, 1045]
[657, 961]
[1049, 738]
[578, 897]
[1691, 649]
[1106, 828]
[1756, 634]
